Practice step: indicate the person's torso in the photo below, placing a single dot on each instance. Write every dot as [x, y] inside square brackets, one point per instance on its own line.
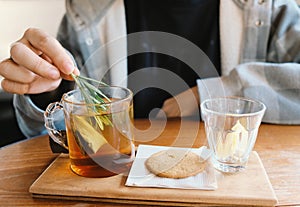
[195, 20]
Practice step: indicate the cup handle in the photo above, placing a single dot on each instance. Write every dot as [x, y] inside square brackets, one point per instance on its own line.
[55, 125]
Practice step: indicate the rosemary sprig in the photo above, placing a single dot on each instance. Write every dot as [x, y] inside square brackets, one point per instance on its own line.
[93, 95]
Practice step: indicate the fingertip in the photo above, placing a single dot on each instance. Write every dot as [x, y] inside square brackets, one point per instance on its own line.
[76, 71]
[68, 68]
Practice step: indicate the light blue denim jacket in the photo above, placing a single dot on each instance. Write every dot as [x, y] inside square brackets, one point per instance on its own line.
[267, 67]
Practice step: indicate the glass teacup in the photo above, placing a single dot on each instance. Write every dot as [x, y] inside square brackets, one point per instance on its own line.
[99, 136]
[231, 126]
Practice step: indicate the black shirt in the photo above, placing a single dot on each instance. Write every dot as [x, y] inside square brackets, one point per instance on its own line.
[194, 20]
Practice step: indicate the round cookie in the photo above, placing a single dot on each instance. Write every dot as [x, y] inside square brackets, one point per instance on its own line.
[175, 163]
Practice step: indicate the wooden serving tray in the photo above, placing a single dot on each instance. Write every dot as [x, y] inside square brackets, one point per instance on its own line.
[248, 188]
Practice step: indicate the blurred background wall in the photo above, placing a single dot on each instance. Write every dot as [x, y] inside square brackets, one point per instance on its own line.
[15, 17]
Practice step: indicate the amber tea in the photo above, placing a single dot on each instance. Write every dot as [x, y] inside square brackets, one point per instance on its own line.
[96, 152]
[100, 139]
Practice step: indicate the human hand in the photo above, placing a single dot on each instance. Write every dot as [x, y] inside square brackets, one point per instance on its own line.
[37, 64]
[182, 105]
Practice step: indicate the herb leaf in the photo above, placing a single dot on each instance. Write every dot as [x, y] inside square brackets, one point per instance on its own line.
[93, 95]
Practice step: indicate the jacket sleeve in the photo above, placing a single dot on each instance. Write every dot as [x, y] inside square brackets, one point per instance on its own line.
[275, 82]
[30, 109]
[276, 85]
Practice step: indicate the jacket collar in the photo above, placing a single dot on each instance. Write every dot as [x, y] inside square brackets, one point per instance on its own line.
[82, 13]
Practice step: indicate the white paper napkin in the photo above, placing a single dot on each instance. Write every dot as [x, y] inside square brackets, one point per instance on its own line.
[139, 176]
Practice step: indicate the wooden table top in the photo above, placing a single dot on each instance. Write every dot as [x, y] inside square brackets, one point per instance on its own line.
[278, 147]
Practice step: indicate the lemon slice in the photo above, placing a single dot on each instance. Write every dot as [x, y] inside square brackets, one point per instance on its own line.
[241, 140]
[88, 138]
[235, 142]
